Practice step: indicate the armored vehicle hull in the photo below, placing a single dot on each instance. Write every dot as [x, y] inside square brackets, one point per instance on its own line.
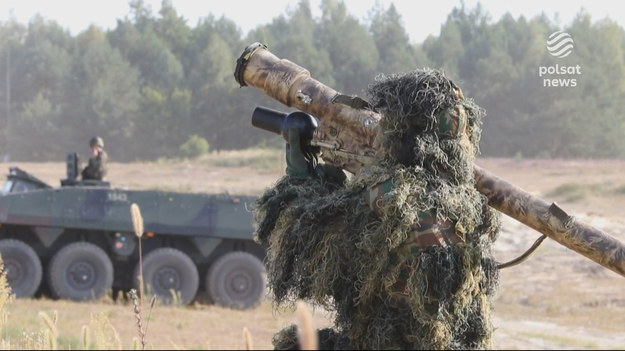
[78, 242]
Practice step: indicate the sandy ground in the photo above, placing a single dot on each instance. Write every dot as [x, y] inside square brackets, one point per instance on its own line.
[556, 299]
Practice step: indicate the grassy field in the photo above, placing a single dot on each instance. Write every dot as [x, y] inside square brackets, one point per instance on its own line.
[556, 299]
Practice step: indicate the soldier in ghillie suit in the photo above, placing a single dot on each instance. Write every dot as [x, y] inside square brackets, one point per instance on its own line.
[401, 251]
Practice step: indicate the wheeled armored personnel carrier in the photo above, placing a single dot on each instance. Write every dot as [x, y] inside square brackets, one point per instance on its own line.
[77, 242]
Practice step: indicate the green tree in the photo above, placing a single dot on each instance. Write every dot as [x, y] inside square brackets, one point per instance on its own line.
[392, 41]
[102, 95]
[157, 48]
[216, 110]
[298, 37]
[194, 147]
[600, 121]
[445, 51]
[153, 82]
[505, 83]
[173, 30]
[160, 128]
[40, 63]
[352, 50]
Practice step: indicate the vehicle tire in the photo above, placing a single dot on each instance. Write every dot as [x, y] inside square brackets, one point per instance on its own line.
[167, 271]
[22, 266]
[80, 271]
[236, 280]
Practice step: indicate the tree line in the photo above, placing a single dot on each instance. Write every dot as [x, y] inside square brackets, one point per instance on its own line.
[154, 86]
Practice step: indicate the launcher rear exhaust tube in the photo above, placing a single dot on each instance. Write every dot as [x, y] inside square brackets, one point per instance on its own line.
[346, 135]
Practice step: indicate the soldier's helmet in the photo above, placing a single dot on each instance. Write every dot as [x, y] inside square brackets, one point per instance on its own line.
[96, 141]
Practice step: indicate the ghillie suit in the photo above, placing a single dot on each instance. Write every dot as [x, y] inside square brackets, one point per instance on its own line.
[401, 251]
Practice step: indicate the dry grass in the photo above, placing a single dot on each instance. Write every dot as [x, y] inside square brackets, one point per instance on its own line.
[307, 335]
[270, 159]
[104, 326]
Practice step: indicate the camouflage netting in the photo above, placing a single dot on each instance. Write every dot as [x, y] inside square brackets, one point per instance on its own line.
[328, 247]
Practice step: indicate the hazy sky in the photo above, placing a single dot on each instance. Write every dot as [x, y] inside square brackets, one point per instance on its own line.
[420, 18]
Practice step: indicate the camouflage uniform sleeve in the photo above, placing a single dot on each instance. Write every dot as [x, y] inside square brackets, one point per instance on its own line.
[427, 231]
[102, 166]
[96, 169]
[87, 172]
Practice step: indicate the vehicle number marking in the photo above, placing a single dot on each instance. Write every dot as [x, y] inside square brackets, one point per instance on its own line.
[117, 196]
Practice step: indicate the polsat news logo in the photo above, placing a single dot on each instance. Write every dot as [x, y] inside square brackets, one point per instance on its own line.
[560, 44]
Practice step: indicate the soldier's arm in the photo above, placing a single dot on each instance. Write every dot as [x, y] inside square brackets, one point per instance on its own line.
[301, 166]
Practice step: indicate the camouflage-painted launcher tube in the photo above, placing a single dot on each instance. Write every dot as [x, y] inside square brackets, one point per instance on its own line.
[346, 135]
[551, 220]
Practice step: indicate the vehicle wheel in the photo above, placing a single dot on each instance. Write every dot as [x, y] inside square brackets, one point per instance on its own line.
[167, 271]
[22, 267]
[236, 280]
[80, 271]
